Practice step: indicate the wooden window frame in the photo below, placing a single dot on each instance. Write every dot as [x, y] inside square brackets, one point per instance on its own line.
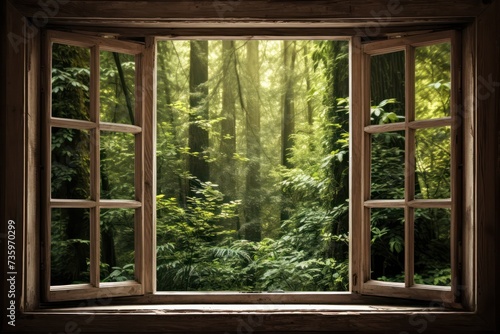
[95, 288]
[409, 289]
[362, 290]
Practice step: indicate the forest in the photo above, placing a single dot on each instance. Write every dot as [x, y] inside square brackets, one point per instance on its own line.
[252, 165]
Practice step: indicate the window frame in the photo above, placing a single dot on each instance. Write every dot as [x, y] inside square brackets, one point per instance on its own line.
[95, 288]
[409, 289]
[360, 290]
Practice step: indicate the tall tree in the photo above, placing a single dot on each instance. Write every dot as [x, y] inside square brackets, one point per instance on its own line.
[338, 169]
[288, 116]
[198, 102]
[308, 85]
[228, 122]
[253, 182]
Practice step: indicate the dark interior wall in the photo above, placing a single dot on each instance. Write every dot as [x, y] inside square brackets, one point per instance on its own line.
[12, 134]
[487, 149]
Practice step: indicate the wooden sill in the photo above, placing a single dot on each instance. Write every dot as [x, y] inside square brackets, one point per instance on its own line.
[241, 318]
[242, 308]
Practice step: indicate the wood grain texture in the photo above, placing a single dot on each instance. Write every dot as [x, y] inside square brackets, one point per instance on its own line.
[256, 9]
[31, 289]
[149, 131]
[164, 321]
[467, 249]
[355, 165]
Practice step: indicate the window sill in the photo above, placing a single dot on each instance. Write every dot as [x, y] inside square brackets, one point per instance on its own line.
[250, 318]
[244, 308]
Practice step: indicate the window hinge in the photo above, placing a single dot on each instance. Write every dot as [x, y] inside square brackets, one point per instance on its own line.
[354, 279]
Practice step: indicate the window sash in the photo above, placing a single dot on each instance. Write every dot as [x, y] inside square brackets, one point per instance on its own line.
[408, 289]
[95, 288]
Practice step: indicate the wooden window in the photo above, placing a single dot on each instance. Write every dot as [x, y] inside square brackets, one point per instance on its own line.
[93, 188]
[409, 121]
[411, 136]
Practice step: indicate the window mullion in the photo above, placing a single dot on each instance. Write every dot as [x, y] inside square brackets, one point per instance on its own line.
[409, 164]
[95, 168]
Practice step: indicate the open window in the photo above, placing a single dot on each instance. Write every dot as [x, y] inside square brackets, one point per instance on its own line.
[411, 179]
[397, 153]
[93, 158]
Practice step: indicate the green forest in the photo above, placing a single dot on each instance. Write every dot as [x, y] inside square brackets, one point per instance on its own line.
[252, 165]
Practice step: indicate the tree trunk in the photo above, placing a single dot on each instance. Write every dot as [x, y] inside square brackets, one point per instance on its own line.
[288, 120]
[288, 115]
[308, 86]
[253, 183]
[228, 124]
[198, 136]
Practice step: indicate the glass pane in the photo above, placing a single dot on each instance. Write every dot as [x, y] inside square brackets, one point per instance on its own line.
[69, 246]
[432, 81]
[387, 88]
[237, 207]
[70, 82]
[117, 87]
[388, 165]
[432, 246]
[432, 159]
[117, 165]
[387, 245]
[70, 164]
[117, 245]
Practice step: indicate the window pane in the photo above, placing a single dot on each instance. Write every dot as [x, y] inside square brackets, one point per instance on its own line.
[246, 202]
[69, 246]
[432, 159]
[117, 245]
[70, 82]
[70, 164]
[432, 246]
[387, 245]
[117, 165]
[432, 81]
[387, 88]
[117, 87]
[388, 165]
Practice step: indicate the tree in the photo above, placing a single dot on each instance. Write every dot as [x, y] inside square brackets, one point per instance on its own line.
[253, 145]
[288, 121]
[198, 102]
[228, 122]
